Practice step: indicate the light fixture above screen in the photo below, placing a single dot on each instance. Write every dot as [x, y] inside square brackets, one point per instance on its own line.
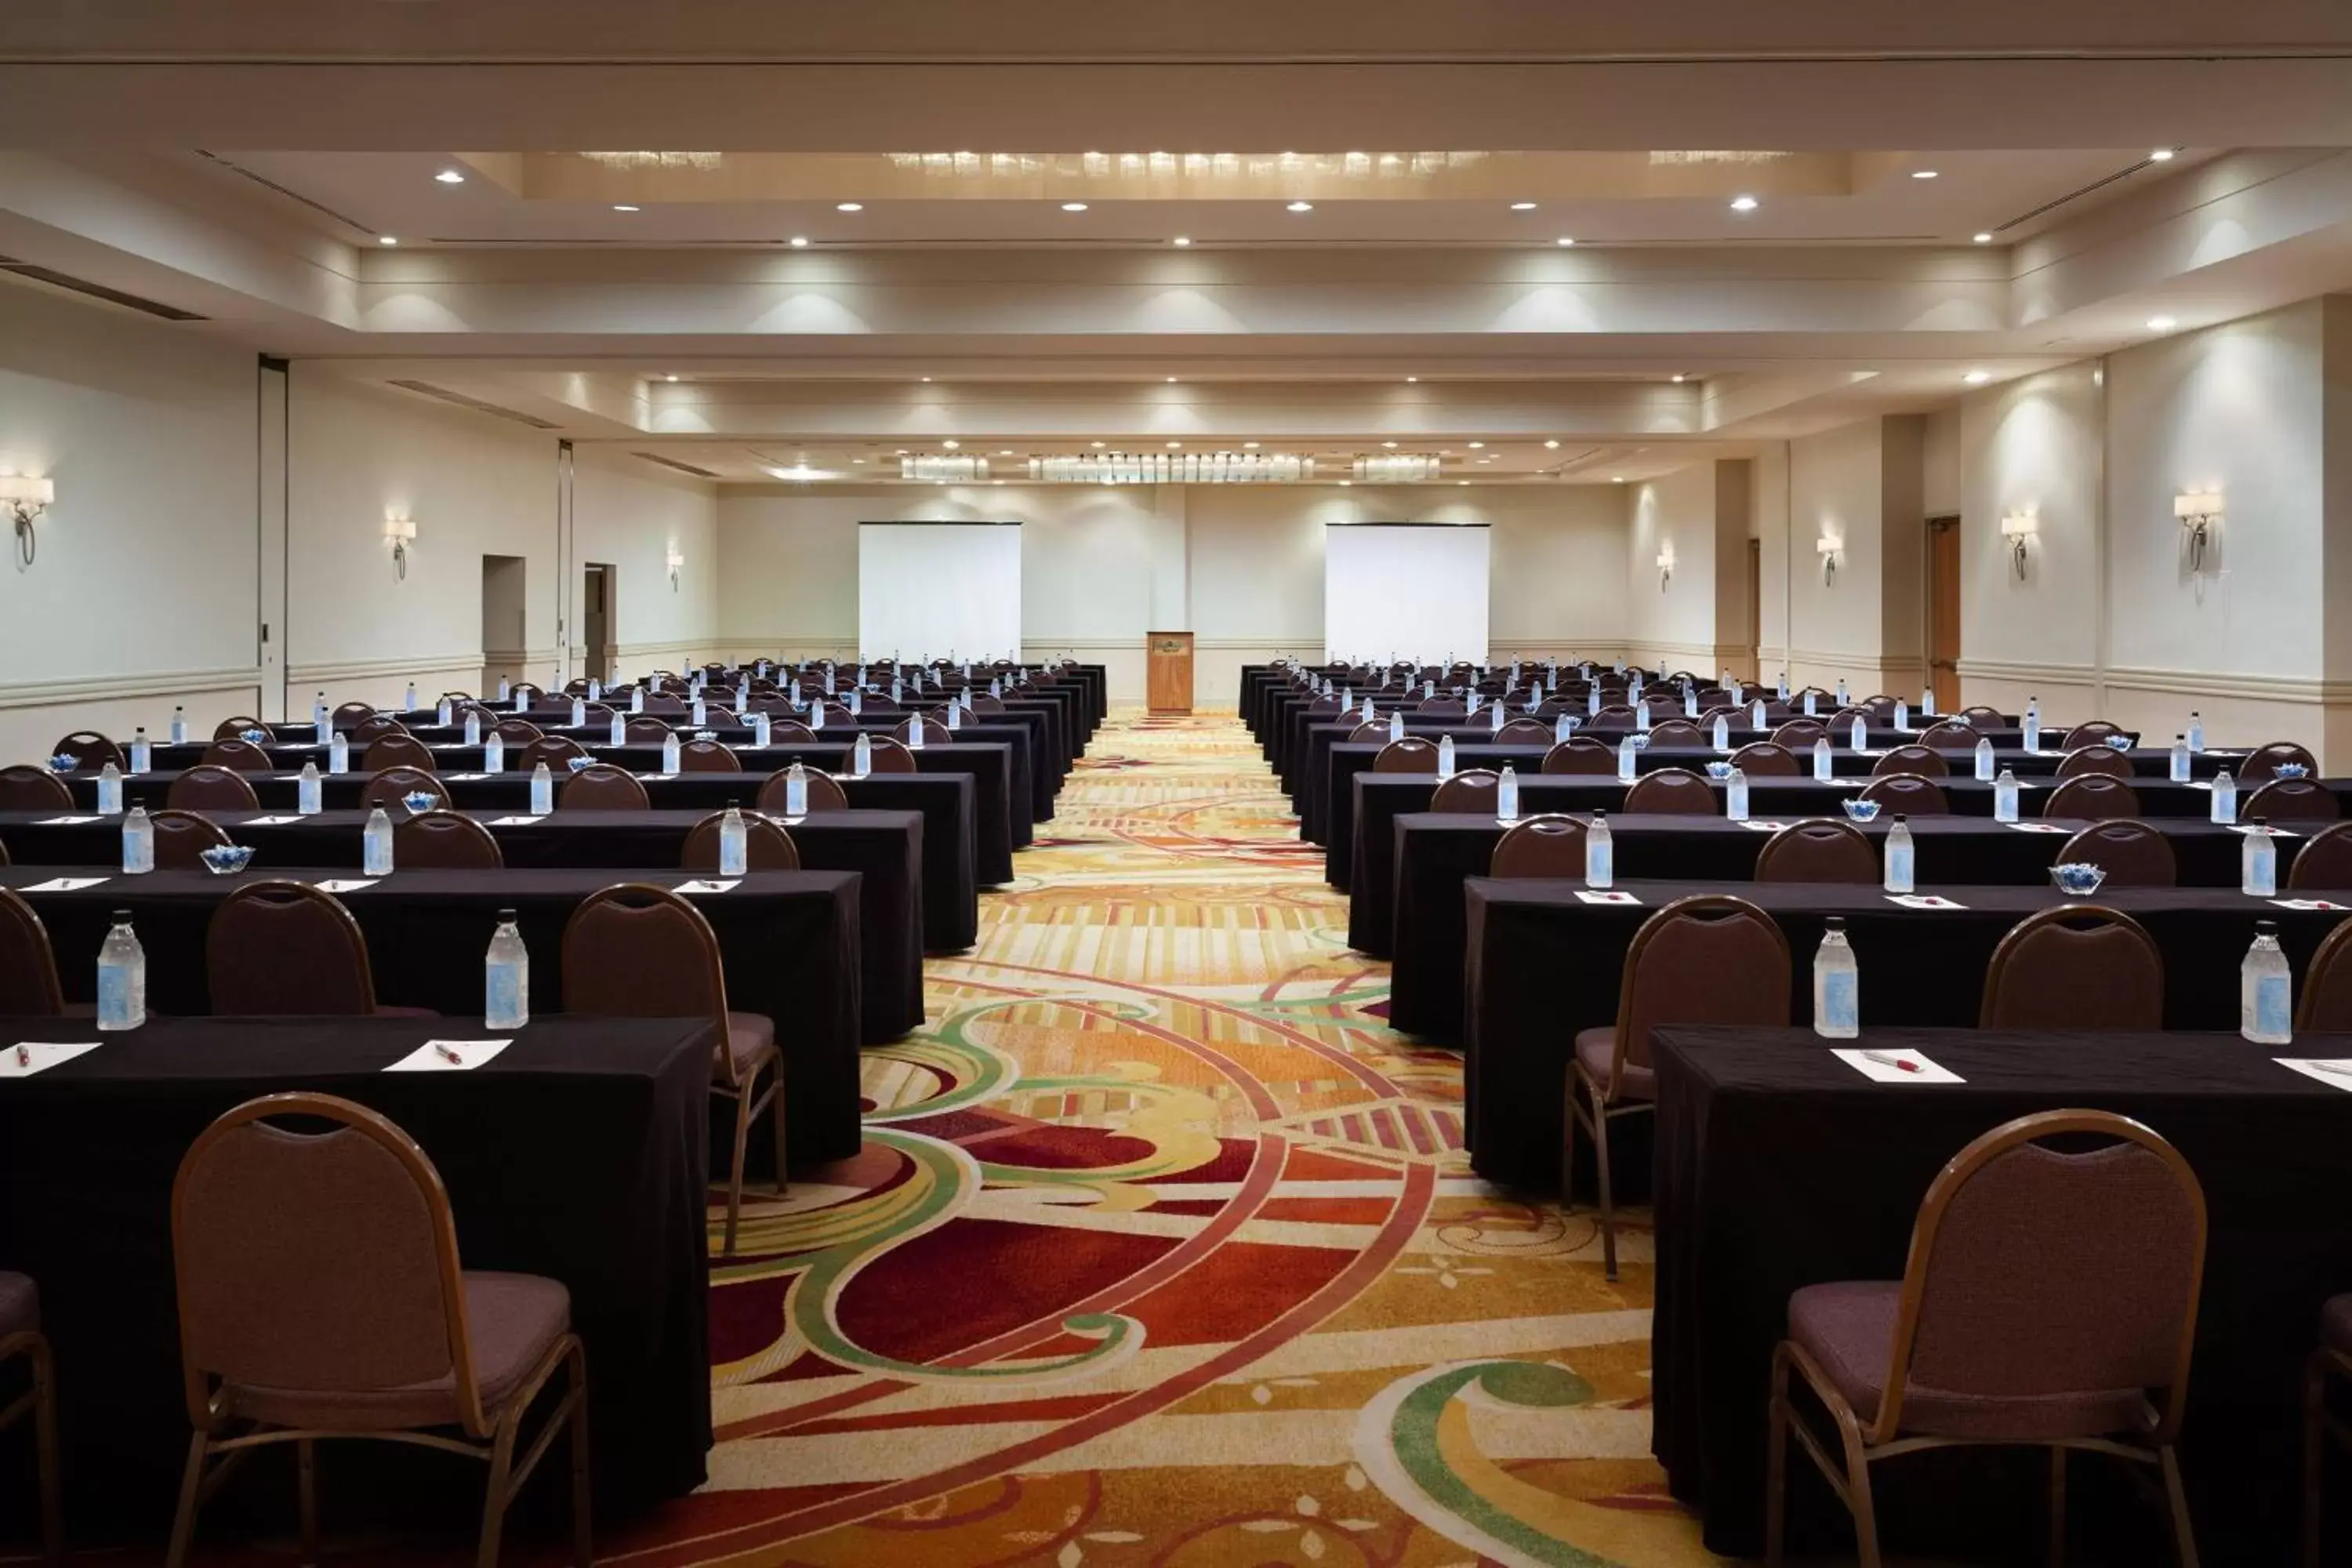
[1172, 468]
[1400, 468]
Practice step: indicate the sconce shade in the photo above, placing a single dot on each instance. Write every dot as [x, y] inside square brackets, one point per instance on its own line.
[27, 490]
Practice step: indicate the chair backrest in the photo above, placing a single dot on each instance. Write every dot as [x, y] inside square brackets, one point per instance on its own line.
[2262, 763]
[351, 715]
[2077, 966]
[1980, 717]
[1366, 734]
[2326, 1006]
[89, 749]
[935, 734]
[1673, 791]
[1908, 794]
[766, 846]
[2090, 732]
[824, 792]
[286, 948]
[234, 729]
[635, 950]
[555, 750]
[28, 966]
[785, 731]
[210, 787]
[1583, 756]
[1708, 959]
[447, 840]
[2035, 1273]
[2133, 854]
[1799, 732]
[2097, 760]
[887, 755]
[646, 727]
[182, 838]
[2325, 860]
[667, 702]
[400, 751]
[1677, 732]
[1767, 760]
[1819, 849]
[1440, 707]
[1471, 792]
[242, 757]
[598, 714]
[24, 787]
[2298, 800]
[2094, 797]
[517, 731]
[390, 788]
[1880, 707]
[1410, 756]
[1547, 846]
[1615, 716]
[1524, 732]
[1923, 760]
[1554, 706]
[317, 1262]
[981, 703]
[374, 728]
[708, 757]
[599, 786]
[1949, 735]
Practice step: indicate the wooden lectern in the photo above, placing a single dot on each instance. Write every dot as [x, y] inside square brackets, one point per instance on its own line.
[1170, 682]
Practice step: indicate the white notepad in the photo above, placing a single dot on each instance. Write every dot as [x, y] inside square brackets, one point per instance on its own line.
[430, 1057]
[1758, 825]
[63, 885]
[2035, 828]
[465, 778]
[1924, 901]
[705, 885]
[2308, 904]
[2334, 1071]
[65, 821]
[25, 1061]
[346, 884]
[1606, 896]
[1882, 1066]
[515, 821]
[272, 821]
[2249, 829]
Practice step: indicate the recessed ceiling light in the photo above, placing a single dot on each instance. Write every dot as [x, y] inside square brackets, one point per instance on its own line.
[942, 483]
[1389, 445]
[1250, 446]
[996, 482]
[1172, 445]
[385, 240]
[1743, 204]
[1978, 377]
[1616, 479]
[1551, 446]
[626, 207]
[1074, 207]
[1096, 445]
[1523, 207]
[2162, 324]
[1983, 237]
[1565, 240]
[669, 378]
[1171, 380]
[901, 452]
[1181, 240]
[799, 242]
[856, 459]
[849, 206]
[1475, 444]
[1409, 380]
[1345, 483]
[1922, 174]
[2162, 154]
[1678, 378]
[1461, 482]
[927, 378]
[1302, 206]
[950, 446]
[450, 177]
[1006, 452]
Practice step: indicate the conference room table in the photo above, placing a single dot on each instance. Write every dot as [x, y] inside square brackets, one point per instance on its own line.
[580, 1152]
[1437, 852]
[884, 847]
[1542, 963]
[1778, 1166]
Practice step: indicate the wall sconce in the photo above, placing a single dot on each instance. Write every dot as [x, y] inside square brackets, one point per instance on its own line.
[2016, 527]
[1665, 566]
[27, 498]
[676, 561]
[1831, 547]
[402, 532]
[2198, 512]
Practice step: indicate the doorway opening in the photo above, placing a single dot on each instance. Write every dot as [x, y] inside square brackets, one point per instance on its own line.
[596, 621]
[506, 652]
[1944, 612]
[1755, 670]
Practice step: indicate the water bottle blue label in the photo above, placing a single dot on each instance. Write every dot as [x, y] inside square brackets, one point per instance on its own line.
[2272, 1006]
[1842, 999]
[503, 1002]
[113, 994]
[1597, 868]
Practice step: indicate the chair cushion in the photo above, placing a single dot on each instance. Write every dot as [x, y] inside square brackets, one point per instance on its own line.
[2335, 1323]
[511, 1319]
[748, 1035]
[1849, 1329]
[20, 1305]
[1595, 1047]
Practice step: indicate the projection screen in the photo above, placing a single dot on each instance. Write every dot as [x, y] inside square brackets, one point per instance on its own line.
[933, 590]
[1415, 590]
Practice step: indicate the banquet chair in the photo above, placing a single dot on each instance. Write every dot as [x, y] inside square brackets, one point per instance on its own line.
[1613, 716]
[601, 786]
[1948, 734]
[517, 732]
[234, 729]
[369, 731]
[1923, 760]
[1980, 717]
[1879, 706]
[24, 787]
[2049, 1300]
[718, 716]
[21, 1338]
[210, 787]
[2096, 760]
[1907, 794]
[1824, 698]
[390, 788]
[1672, 792]
[2090, 732]
[1581, 756]
[1800, 733]
[2325, 860]
[668, 703]
[1768, 760]
[597, 715]
[1818, 849]
[635, 950]
[1677, 732]
[1470, 792]
[824, 792]
[275, 949]
[934, 732]
[400, 751]
[89, 749]
[1707, 959]
[1523, 732]
[1554, 706]
[28, 965]
[243, 756]
[1547, 846]
[2133, 854]
[2330, 1363]
[886, 754]
[708, 757]
[786, 731]
[555, 750]
[1438, 707]
[2094, 797]
[182, 838]
[981, 703]
[320, 1296]
[2076, 967]
[2290, 800]
[766, 846]
[1411, 755]
[2262, 763]
[576, 686]
[445, 841]
[646, 727]
[2327, 1006]
[351, 715]
[836, 716]
[525, 694]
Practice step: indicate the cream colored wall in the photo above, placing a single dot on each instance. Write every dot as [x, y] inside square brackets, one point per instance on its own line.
[628, 514]
[1835, 487]
[1672, 622]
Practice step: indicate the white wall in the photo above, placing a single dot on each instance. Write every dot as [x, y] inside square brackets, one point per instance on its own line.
[1672, 623]
[629, 514]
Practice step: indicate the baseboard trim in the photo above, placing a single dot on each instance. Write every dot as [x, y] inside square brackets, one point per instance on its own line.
[330, 674]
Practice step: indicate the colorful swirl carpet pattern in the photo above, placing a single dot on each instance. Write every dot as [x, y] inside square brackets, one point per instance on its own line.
[1163, 1250]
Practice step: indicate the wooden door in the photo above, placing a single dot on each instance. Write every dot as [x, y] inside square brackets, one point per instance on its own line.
[1944, 610]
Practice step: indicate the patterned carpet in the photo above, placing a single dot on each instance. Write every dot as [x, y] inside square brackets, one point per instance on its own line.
[1163, 1250]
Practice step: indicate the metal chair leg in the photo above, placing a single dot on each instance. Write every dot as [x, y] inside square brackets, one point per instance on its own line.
[583, 1550]
[496, 1497]
[1608, 1205]
[1568, 1115]
[735, 1171]
[2184, 1535]
[1864, 1507]
[776, 1114]
[183, 1521]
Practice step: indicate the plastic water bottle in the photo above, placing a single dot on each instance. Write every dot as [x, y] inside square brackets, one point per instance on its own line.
[306, 792]
[1823, 769]
[1496, 717]
[138, 843]
[1470, 706]
[473, 728]
[734, 843]
[996, 687]
[1592, 699]
[702, 711]
[339, 754]
[1861, 732]
[1784, 686]
[915, 733]
[2196, 731]
[861, 757]
[1600, 853]
[1758, 715]
[1735, 796]
[1902, 714]
[815, 713]
[2259, 861]
[408, 699]
[376, 845]
[1445, 757]
[595, 689]
[1837, 986]
[761, 728]
[1367, 710]
[796, 791]
[1396, 724]
[1811, 699]
[143, 754]
[320, 714]
[1722, 733]
[179, 730]
[2225, 797]
[955, 713]
[579, 711]
[443, 711]
[2180, 759]
[1562, 728]
[2004, 797]
[1899, 856]
[2266, 990]
[494, 754]
[1507, 796]
[1627, 751]
[506, 977]
[1640, 716]
[542, 790]
[109, 791]
[121, 977]
[669, 755]
[2034, 724]
[636, 699]
[620, 732]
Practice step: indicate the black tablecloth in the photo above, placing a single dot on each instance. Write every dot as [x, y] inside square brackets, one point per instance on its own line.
[1542, 965]
[579, 1152]
[788, 940]
[1778, 1167]
[1436, 853]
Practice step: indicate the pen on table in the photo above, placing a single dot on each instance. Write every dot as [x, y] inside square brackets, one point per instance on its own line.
[1889, 1059]
[449, 1055]
[24, 1056]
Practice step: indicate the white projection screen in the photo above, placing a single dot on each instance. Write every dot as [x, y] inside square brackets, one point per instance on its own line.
[928, 590]
[1415, 590]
